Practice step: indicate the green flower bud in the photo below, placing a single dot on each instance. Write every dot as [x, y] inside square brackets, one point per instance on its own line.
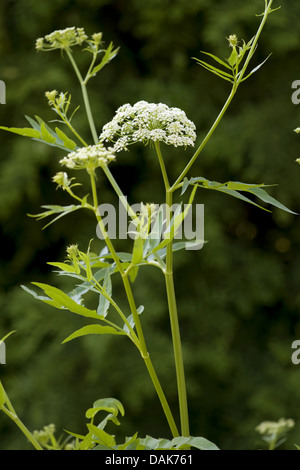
[62, 180]
[51, 95]
[233, 40]
[72, 252]
[97, 37]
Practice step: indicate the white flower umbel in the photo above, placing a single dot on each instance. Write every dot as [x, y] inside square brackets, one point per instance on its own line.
[88, 158]
[61, 39]
[149, 122]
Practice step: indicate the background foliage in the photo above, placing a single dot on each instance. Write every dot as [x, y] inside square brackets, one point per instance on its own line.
[238, 297]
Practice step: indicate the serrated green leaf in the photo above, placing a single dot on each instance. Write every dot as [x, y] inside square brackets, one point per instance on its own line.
[109, 54]
[62, 299]
[68, 143]
[25, 132]
[46, 135]
[94, 330]
[63, 266]
[104, 438]
[46, 300]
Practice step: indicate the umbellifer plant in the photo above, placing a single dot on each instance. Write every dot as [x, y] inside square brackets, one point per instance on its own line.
[153, 229]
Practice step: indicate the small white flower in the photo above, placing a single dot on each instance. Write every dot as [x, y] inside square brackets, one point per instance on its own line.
[88, 158]
[148, 122]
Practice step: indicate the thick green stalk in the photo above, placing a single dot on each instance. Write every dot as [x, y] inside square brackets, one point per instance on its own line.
[142, 344]
[175, 330]
[173, 314]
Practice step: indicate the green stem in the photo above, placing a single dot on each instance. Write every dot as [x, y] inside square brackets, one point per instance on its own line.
[89, 113]
[10, 412]
[206, 139]
[118, 191]
[85, 98]
[253, 46]
[229, 99]
[172, 305]
[67, 122]
[162, 166]
[175, 330]
[142, 344]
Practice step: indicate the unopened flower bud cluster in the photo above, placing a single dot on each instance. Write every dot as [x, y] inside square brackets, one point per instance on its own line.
[61, 39]
[149, 122]
[88, 158]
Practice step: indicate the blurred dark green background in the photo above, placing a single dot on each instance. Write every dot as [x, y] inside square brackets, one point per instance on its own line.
[238, 297]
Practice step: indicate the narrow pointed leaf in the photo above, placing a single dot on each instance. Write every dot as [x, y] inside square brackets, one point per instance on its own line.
[104, 438]
[68, 143]
[216, 71]
[26, 131]
[232, 60]
[217, 59]
[256, 68]
[63, 267]
[65, 301]
[2, 395]
[137, 253]
[104, 302]
[110, 53]
[264, 196]
[46, 135]
[94, 330]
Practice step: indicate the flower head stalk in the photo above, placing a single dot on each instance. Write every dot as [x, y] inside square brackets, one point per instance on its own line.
[147, 123]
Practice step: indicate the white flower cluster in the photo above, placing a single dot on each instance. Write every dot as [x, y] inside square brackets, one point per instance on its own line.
[275, 427]
[61, 39]
[88, 158]
[145, 122]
